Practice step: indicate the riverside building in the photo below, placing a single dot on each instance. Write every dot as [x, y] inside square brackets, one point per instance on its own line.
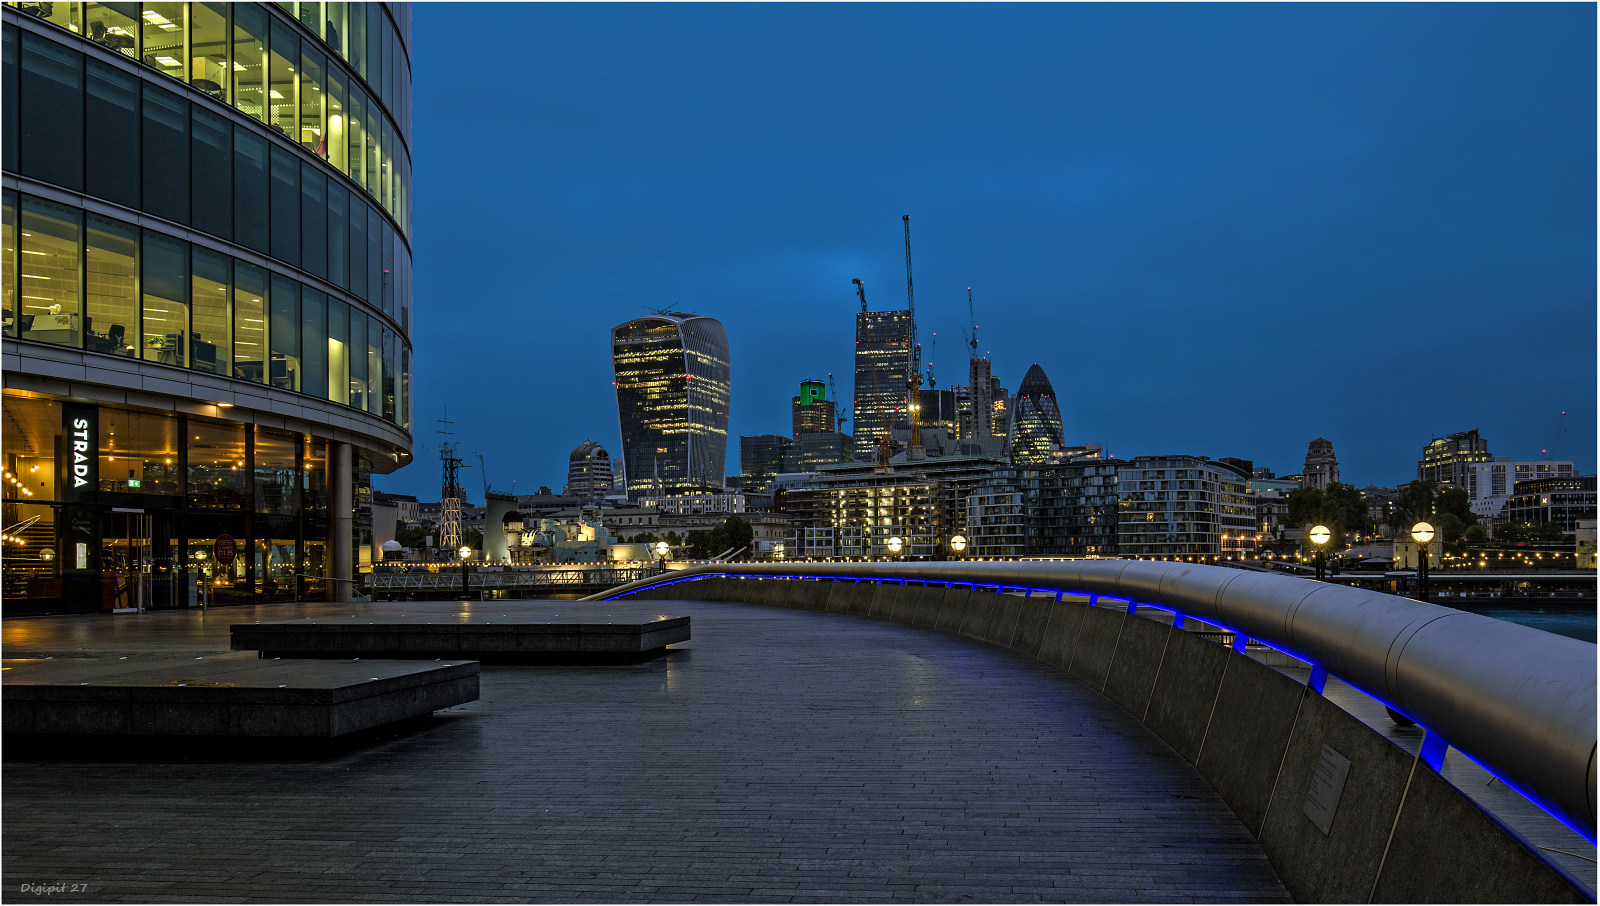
[1184, 506]
[206, 294]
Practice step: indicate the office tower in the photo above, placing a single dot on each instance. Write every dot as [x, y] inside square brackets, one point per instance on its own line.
[761, 458]
[1447, 461]
[1321, 467]
[208, 348]
[812, 411]
[978, 421]
[1036, 420]
[883, 358]
[588, 471]
[939, 412]
[673, 382]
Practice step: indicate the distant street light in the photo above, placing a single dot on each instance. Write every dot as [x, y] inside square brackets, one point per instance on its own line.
[1319, 537]
[777, 550]
[895, 544]
[466, 589]
[1422, 532]
[958, 543]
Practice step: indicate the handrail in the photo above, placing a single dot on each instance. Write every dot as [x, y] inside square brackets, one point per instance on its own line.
[1517, 700]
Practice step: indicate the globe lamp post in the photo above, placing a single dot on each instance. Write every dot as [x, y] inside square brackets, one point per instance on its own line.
[662, 549]
[958, 543]
[895, 544]
[1422, 533]
[465, 553]
[1319, 537]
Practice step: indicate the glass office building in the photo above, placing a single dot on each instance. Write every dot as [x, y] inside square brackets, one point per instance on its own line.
[1035, 420]
[206, 288]
[883, 368]
[673, 381]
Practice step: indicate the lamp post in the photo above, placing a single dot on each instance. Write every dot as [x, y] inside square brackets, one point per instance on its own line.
[662, 548]
[1319, 537]
[465, 552]
[777, 551]
[958, 543]
[1422, 533]
[895, 544]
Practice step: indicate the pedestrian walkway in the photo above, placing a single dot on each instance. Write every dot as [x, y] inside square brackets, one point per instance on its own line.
[782, 755]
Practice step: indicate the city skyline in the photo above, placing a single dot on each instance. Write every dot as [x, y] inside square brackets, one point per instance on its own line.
[1217, 247]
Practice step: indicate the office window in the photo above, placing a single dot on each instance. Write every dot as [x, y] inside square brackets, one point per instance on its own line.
[313, 219]
[357, 127]
[164, 281]
[249, 322]
[358, 246]
[49, 309]
[386, 166]
[217, 476]
[8, 265]
[404, 408]
[390, 357]
[285, 333]
[211, 172]
[165, 158]
[111, 130]
[375, 281]
[374, 73]
[208, 48]
[166, 38]
[250, 60]
[285, 205]
[111, 321]
[313, 101]
[373, 134]
[356, 41]
[211, 340]
[358, 359]
[313, 342]
[334, 26]
[251, 190]
[9, 97]
[338, 234]
[337, 140]
[375, 371]
[283, 106]
[113, 25]
[277, 477]
[50, 112]
[387, 271]
[338, 351]
[311, 17]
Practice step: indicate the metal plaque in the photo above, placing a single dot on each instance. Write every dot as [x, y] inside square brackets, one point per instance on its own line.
[1327, 785]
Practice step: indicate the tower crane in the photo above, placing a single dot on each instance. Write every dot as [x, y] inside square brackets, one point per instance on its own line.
[861, 291]
[838, 411]
[913, 353]
[933, 349]
[1561, 426]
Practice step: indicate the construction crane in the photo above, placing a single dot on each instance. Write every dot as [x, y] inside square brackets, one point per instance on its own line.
[913, 353]
[933, 348]
[484, 474]
[1561, 426]
[838, 410]
[971, 316]
[861, 291]
[911, 299]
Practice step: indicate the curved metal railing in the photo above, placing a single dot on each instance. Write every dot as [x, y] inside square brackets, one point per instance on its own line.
[1519, 701]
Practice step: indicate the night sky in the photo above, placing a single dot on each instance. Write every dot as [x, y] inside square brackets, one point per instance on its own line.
[1221, 230]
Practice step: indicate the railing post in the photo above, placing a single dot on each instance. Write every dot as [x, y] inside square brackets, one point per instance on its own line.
[1433, 748]
[1318, 680]
[1240, 640]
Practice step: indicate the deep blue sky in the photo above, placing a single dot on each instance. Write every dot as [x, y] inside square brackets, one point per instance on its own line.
[1222, 230]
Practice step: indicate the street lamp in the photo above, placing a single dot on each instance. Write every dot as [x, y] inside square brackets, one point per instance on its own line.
[1422, 532]
[1319, 537]
[958, 543]
[662, 549]
[465, 552]
[895, 544]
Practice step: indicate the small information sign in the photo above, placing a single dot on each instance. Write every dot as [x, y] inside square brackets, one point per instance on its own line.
[225, 548]
[1327, 785]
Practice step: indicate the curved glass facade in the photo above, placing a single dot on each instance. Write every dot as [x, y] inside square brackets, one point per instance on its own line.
[206, 234]
[673, 380]
[1035, 420]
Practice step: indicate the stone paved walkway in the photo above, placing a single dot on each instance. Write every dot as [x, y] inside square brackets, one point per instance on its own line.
[781, 755]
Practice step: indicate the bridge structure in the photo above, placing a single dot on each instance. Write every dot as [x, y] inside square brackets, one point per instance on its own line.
[513, 582]
[1343, 814]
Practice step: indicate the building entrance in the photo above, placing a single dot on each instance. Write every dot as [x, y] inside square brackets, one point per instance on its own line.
[137, 561]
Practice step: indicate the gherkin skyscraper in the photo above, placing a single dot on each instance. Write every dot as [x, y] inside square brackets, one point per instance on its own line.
[1035, 420]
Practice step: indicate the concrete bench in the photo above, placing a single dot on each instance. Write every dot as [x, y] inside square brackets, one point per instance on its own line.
[227, 698]
[483, 637]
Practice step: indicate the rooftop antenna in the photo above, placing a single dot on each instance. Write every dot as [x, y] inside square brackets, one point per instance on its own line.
[450, 492]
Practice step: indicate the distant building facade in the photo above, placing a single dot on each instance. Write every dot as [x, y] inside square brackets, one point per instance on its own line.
[812, 411]
[673, 379]
[1490, 484]
[850, 511]
[1321, 466]
[1035, 423]
[816, 449]
[1563, 501]
[883, 362]
[588, 471]
[1184, 505]
[761, 457]
[1448, 461]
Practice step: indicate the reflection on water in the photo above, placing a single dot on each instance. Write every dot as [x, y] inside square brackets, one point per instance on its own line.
[1574, 623]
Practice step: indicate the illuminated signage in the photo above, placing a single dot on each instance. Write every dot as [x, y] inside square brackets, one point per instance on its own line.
[79, 453]
[812, 392]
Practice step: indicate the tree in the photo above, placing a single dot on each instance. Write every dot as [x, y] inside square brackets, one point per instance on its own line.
[1475, 534]
[732, 535]
[414, 537]
[1551, 531]
[1415, 504]
[1516, 531]
[1457, 503]
[1341, 508]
